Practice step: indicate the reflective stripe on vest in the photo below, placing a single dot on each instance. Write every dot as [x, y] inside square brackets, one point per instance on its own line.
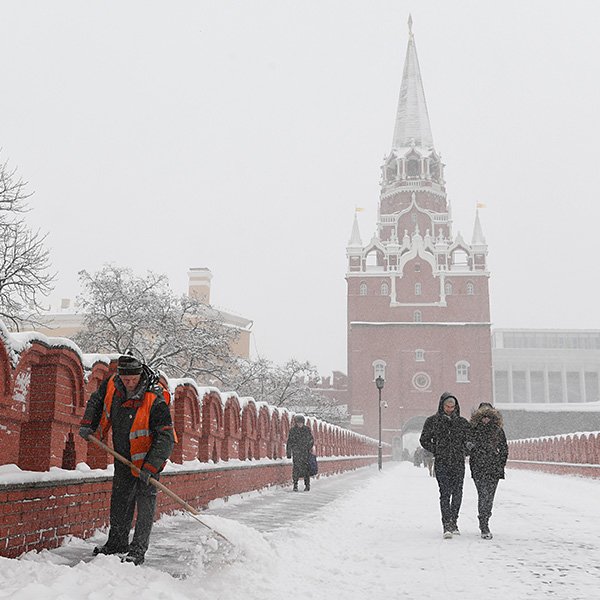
[140, 438]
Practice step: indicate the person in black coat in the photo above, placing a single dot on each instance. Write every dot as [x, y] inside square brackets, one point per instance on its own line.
[445, 436]
[299, 444]
[489, 453]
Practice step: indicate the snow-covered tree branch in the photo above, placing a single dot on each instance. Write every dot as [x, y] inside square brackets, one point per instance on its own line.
[288, 385]
[179, 335]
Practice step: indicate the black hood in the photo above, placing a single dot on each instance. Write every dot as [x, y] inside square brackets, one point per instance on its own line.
[445, 397]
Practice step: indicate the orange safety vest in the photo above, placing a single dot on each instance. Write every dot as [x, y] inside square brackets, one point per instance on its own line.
[140, 438]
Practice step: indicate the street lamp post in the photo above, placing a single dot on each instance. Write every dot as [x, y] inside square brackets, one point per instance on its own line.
[379, 381]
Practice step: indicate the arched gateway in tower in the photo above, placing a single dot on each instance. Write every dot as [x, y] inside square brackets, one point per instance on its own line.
[418, 299]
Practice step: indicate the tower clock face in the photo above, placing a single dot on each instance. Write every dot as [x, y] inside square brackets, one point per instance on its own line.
[421, 381]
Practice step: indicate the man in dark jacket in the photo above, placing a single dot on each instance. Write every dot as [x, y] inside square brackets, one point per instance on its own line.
[133, 404]
[445, 435]
[299, 444]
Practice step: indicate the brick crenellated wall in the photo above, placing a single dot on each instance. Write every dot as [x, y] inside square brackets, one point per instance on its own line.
[45, 384]
[572, 454]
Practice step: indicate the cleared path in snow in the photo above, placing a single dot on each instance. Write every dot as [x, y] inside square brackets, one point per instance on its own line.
[361, 535]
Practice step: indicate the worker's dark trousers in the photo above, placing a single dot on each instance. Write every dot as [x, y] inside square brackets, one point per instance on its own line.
[127, 493]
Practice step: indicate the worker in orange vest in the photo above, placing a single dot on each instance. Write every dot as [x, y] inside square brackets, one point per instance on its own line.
[133, 405]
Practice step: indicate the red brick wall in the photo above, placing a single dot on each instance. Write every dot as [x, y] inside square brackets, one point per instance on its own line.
[573, 454]
[42, 399]
[40, 515]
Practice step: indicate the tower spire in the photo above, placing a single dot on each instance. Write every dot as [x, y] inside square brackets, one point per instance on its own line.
[355, 240]
[412, 118]
[478, 239]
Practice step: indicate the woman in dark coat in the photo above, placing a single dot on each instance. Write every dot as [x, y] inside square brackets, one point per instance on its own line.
[489, 453]
[299, 444]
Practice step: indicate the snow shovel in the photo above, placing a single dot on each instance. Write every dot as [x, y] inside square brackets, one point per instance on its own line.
[157, 484]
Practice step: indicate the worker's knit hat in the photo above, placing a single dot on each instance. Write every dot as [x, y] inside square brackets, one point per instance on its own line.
[129, 365]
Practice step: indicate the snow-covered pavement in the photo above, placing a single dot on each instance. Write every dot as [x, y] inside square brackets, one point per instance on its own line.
[361, 535]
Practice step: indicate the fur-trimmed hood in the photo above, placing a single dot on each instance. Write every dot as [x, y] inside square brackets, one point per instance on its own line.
[486, 410]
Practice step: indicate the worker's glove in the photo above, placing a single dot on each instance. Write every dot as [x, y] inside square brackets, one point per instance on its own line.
[470, 446]
[145, 476]
[85, 432]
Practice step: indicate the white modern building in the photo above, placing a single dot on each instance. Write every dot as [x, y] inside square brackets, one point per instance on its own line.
[546, 366]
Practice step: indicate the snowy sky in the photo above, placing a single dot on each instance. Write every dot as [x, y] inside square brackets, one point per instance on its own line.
[354, 536]
[240, 136]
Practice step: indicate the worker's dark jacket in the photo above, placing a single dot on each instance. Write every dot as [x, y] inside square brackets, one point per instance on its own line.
[122, 416]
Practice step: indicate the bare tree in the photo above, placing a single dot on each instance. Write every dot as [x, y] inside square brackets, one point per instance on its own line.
[179, 335]
[13, 194]
[25, 275]
[287, 385]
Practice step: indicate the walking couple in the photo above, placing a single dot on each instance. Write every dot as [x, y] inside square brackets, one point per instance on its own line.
[450, 437]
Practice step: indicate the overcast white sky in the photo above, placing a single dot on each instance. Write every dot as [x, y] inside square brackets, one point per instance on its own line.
[239, 136]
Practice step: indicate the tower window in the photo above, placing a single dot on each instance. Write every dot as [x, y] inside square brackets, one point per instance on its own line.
[417, 289]
[385, 289]
[448, 289]
[412, 167]
[460, 258]
[372, 259]
[462, 371]
[470, 289]
[417, 267]
[419, 355]
[418, 316]
[362, 290]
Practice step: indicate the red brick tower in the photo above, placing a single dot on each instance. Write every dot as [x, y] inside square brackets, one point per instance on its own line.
[418, 300]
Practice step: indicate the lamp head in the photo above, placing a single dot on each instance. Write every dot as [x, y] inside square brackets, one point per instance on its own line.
[379, 382]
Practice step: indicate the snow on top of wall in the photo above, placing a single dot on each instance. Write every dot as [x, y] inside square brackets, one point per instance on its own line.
[245, 400]
[554, 407]
[89, 360]
[558, 436]
[174, 383]
[11, 474]
[23, 340]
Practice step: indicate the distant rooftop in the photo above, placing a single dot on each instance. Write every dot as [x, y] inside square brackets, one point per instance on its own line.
[575, 339]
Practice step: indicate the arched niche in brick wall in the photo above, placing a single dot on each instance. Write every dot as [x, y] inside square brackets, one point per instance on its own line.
[262, 432]
[275, 441]
[185, 410]
[314, 428]
[319, 439]
[232, 428]
[284, 426]
[249, 431]
[212, 427]
[326, 439]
